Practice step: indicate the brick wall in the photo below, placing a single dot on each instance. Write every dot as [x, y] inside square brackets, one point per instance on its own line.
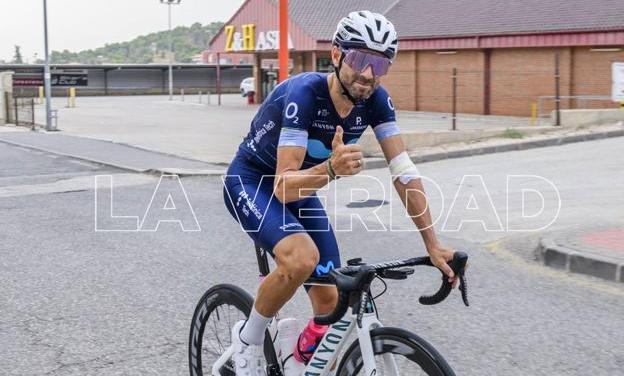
[401, 81]
[422, 81]
[591, 74]
[435, 83]
[521, 76]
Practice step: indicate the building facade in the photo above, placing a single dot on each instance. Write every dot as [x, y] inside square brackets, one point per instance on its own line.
[479, 56]
[126, 79]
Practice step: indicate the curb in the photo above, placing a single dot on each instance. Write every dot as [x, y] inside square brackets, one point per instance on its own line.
[377, 162]
[574, 261]
[370, 162]
[155, 171]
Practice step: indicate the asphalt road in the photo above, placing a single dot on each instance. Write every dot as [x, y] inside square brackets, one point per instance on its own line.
[76, 301]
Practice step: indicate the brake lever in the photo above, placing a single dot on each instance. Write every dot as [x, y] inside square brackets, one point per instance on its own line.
[458, 264]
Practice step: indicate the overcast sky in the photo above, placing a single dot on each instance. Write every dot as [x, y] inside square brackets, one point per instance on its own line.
[83, 24]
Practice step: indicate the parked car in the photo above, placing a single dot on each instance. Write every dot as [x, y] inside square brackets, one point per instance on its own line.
[247, 85]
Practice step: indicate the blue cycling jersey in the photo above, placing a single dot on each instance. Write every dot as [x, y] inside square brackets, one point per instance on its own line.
[300, 112]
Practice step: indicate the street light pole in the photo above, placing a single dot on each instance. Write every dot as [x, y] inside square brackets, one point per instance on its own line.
[46, 70]
[169, 3]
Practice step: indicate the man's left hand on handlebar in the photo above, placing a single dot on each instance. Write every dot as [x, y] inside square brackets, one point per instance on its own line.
[440, 256]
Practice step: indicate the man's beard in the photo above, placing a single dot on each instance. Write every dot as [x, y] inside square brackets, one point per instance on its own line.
[359, 94]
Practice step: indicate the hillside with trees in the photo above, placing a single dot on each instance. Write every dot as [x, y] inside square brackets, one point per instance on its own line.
[150, 48]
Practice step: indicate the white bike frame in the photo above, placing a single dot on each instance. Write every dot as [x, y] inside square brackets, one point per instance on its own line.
[332, 343]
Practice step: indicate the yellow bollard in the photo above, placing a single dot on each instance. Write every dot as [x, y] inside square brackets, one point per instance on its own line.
[71, 97]
[41, 95]
[533, 113]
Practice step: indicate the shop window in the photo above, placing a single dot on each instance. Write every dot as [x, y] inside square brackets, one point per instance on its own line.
[324, 65]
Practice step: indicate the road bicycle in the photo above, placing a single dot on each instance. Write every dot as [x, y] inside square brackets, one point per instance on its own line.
[378, 350]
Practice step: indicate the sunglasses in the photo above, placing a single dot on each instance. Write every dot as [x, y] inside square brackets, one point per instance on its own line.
[359, 61]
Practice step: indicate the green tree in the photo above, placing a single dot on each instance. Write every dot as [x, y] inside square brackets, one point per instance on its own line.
[188, 41]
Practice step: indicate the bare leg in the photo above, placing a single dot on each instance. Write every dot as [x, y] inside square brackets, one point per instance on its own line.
[323, 299]
[296, 257]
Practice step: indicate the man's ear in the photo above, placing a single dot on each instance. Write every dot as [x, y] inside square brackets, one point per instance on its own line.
[335, 55]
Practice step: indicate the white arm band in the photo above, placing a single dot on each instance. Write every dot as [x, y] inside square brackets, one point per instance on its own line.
[402, 168]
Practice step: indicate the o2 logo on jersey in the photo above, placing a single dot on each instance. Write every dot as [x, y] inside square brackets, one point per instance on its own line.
[291, 112]
[390, 104]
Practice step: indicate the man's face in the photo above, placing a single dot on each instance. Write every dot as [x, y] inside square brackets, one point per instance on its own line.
[360, 85]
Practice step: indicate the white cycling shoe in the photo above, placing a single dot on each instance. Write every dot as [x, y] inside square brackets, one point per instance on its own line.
[248, 359]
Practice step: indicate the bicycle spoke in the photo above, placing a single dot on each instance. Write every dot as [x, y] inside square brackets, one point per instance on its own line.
[221, 347]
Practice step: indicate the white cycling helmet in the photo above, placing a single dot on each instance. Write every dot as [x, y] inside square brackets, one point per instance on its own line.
[365, 29]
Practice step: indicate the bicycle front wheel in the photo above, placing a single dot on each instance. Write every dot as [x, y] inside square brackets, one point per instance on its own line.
[397, 352]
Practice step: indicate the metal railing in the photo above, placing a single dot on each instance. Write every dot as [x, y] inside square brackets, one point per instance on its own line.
[24, 111]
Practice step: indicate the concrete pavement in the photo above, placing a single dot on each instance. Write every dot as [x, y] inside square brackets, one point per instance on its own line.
[212, 133]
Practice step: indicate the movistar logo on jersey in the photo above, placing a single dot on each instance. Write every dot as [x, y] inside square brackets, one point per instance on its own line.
[324, 269]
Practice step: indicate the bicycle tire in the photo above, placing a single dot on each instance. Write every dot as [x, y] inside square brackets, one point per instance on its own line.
[213, 298]
[387, 339]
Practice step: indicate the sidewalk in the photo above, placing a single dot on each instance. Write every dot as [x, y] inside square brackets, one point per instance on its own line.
[209, 133]
[136, 158]
[500, 144]
[107, 153]
[212, 133]
[596, 250]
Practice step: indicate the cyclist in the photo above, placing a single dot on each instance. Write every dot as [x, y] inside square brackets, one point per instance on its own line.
[303, 136]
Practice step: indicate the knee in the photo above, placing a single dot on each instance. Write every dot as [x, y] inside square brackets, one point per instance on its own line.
[298, 261]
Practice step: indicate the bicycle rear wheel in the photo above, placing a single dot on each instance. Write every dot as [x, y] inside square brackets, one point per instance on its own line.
[412, 356]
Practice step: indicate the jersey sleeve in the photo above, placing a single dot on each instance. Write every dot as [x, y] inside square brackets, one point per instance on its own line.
[383, 116]
[297, 115]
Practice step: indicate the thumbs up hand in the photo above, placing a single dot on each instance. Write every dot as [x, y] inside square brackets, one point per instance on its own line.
[346, 160]
[337, 141]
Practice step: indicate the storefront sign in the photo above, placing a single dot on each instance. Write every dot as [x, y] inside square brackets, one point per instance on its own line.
[617, 89]
[70, 77]
[28, 81]
[248, 41]
[28, 77]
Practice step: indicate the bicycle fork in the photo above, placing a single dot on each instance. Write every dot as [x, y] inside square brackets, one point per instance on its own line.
[369, 322]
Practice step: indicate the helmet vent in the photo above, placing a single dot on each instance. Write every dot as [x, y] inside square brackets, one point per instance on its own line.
[352, 30]
[385, 37]
[370, 33]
